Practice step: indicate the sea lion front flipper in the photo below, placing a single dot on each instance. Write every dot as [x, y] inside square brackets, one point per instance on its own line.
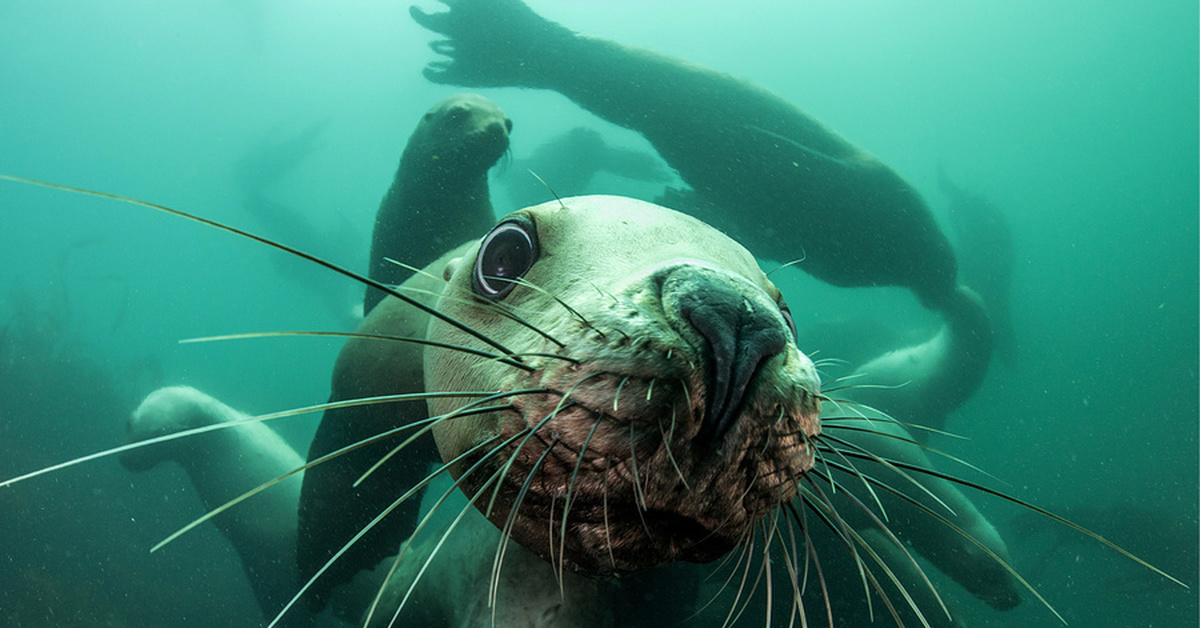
[489, 42]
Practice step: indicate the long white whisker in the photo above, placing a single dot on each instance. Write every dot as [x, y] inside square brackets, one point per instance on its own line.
[368, 527]
[363, 401]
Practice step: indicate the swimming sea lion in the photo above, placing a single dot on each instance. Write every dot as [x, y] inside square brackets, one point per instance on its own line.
[647, 422]
[984, 237]
[570, 161]
[222, 465]
[442, 174]
[787, 185]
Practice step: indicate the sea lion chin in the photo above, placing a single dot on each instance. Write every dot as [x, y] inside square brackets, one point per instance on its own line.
[674, 413]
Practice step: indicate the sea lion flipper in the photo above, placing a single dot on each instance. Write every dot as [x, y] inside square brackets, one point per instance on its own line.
[490, 43]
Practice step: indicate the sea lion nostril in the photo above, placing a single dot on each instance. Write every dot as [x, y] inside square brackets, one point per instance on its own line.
[740, 335]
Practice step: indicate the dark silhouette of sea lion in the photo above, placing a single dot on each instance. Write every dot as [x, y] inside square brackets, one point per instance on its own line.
[569, 161]
[439, 197]
[985, 243]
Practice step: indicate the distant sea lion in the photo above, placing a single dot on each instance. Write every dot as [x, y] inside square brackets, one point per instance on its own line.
[788, 186]
[442, 173]
[985, 240]
[569, 161]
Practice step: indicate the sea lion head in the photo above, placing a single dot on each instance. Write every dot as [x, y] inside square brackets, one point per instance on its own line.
[674, 411]
[460, 134]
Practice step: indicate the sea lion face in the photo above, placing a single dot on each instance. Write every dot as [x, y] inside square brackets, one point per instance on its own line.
[675, 411]
[461, 133]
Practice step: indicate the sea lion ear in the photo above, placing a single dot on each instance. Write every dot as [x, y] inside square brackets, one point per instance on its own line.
[451, 268]
[505, 255]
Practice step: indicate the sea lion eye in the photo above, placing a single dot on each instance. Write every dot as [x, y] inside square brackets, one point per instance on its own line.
[505, 255]
[787, 318]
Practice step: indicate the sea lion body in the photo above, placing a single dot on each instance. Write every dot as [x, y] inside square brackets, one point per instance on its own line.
[619, 382]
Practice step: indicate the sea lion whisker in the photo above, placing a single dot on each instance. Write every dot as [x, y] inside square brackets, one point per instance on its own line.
[766, 562]
[734, 612]
[791, 564]
[562, 402]
[1024, 504]
[995, 557]
[811, 557]
[864, 386]
[639, 496]
[667, 436]
[428, 516]
[503, 358]
[843, 378]
[345, 272]
[502, 546]
[856, 473]
[367, 528]
[607, 529]
[800, 260]
[433, 554]
[823, 362]
[468, 298]
[821, 505]
[558, 573]
[227, 425]
[308, 465]
[456, 486]
[883, 527]
[431, 422]
[547, 186]
[521, 281]
[791, 561]
[745, 545]
[851, 538]
[831, 422]
[571, 487]
[617, 395]
[829, 440]
[919, 444]
[503, 309]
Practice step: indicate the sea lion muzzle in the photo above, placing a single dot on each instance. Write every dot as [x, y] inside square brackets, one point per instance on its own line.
[740, 329]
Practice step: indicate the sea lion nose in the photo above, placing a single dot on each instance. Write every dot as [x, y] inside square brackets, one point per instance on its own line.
[741, 334]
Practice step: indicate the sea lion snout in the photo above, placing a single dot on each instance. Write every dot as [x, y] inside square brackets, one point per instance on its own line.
[740, 328]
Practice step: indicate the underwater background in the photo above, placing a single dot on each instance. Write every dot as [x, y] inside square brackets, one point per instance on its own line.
[1077, 121]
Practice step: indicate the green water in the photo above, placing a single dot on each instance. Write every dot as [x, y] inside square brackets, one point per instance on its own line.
[1079, 120]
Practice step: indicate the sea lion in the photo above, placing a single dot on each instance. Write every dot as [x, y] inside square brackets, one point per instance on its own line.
[984, 238]
[222, 465]
[568, 163]
[438, 199]
[940, 373]
[638, 339]
[442, 173]
[787, 186]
